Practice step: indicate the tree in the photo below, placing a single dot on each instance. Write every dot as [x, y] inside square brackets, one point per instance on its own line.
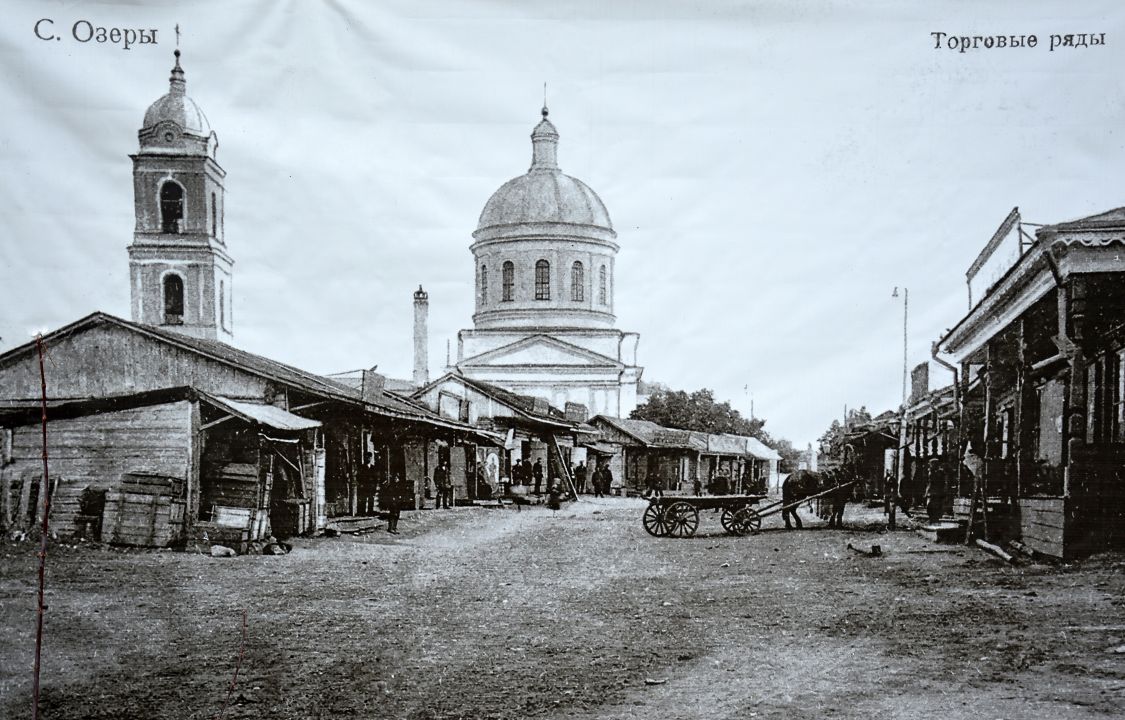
[696, 411]
[700, 412]
[790, 456]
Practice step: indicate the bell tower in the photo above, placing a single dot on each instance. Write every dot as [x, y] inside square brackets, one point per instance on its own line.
[179, 269]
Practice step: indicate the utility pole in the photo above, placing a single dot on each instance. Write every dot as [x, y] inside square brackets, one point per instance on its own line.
[901, 454]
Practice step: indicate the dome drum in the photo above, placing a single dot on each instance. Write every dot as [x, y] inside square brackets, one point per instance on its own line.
[544, 248]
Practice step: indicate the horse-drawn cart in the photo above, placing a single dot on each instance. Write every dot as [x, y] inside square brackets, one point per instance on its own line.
[678, 515]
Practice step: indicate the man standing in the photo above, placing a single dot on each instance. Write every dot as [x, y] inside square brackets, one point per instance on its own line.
[888, 492]
[537, 473]
[607, 480]
[580, 477]
[391, 501]
[444, 486]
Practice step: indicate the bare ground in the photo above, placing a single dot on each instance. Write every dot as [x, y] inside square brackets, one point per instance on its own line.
[478, 613]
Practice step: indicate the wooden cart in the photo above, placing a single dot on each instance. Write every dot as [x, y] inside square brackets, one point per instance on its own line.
[678, 515]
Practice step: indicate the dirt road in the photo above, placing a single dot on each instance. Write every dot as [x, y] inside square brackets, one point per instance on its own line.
[478, 613]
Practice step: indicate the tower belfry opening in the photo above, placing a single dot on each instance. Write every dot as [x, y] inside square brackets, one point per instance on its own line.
[180, 272]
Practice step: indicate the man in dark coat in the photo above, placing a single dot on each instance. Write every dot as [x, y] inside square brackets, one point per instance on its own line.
[580, 477]
[607, 480]
[392, 498]
[444, 485]
[537, 473]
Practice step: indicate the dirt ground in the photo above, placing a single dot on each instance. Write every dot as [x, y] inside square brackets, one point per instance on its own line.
[476, 613]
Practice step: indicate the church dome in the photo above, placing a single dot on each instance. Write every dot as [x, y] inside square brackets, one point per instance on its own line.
[176, 107]
[544, 194]
[544, 197]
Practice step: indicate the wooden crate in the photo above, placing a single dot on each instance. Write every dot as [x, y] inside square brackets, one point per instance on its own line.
[1043, 525]
[142, 519]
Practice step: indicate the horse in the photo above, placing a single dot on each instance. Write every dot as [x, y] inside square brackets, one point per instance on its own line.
[798, 486]
[804, 483]
[842, 483]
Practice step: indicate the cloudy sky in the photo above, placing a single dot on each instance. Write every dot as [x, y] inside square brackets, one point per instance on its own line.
[773, 169]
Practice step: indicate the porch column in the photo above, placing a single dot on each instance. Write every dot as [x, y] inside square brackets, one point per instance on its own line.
[1072, 313]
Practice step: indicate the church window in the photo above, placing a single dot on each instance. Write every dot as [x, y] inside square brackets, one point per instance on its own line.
[603, 294]
[509, 280]
[173, 299]
[222, 306]
[483, 284]
[214, 216]
[542, 280]
[171, 207]
[577, 282]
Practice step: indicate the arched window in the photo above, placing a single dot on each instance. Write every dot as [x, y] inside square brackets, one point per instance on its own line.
[171, 207]
[577, 282]
[542, 280]
[222, 305]
[603, 294]
[214, 217]
[173, 299]
[483, 284]
[509, 280]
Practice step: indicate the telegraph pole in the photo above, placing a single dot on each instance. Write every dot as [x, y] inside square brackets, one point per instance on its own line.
[901, 454]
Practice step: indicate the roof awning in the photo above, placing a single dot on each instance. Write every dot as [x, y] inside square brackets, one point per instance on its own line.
[760, 450]
[600, 447]
[268, 415]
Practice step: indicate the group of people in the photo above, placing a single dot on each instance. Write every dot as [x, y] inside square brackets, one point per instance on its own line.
[524, 473]
[929, 483]
[600, 481]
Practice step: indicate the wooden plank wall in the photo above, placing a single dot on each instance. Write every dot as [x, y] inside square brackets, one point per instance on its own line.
[95, 452]
[1043, 525]
[113, 360]
[230, 484]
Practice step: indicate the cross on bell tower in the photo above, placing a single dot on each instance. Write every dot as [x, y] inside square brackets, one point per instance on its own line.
[179, 270]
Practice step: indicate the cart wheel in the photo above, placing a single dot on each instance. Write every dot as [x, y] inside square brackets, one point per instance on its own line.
[681, 519]
[728, 521]
[654, 521]
[748, 521]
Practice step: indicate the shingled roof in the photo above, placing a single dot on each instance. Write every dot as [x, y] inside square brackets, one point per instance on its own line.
[386, 404]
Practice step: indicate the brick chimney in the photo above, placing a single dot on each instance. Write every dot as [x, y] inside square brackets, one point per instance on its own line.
[576, 412]
[919, 382]
[421, 337]
[371, 387]
[540, 406]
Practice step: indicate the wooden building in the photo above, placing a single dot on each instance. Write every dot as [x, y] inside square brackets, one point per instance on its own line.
[532, 429]
[156, 436]
[1041, 359]
[644, 449]
[722, 463]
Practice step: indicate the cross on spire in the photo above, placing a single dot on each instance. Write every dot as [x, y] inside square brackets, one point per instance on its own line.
[177, 35]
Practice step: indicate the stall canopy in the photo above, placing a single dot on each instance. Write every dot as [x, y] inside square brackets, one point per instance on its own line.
[760, 450]
[268, 415]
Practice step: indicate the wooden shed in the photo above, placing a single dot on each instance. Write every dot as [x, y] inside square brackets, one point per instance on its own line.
[155, 436]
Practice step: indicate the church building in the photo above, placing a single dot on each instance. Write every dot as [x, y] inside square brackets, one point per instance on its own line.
[544, 326]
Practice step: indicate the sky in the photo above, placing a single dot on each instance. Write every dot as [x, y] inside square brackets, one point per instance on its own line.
[773, 169]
